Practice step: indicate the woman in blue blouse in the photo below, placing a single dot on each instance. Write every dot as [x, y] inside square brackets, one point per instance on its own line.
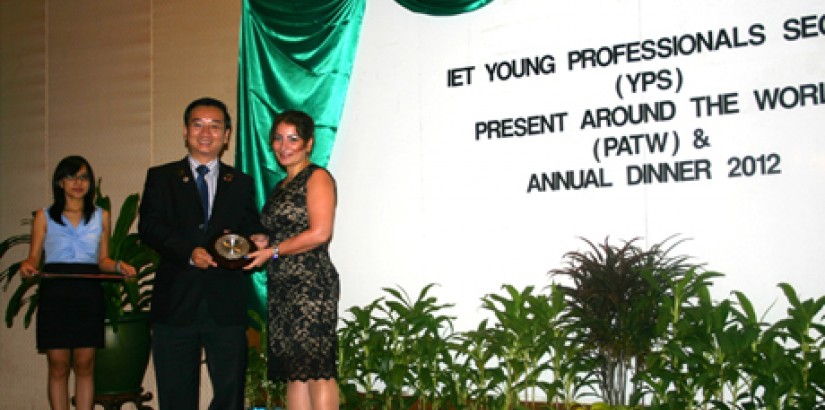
[73, 236]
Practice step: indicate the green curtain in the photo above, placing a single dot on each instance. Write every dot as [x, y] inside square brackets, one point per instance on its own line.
[443, 7]
[293, 55]
[299, 54]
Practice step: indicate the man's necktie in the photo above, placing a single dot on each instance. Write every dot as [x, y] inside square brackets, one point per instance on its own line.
[203, 190]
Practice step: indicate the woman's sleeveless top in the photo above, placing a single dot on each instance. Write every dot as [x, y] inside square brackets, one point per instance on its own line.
[73, 244]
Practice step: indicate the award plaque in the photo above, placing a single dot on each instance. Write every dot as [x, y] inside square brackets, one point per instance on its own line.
[230, 249]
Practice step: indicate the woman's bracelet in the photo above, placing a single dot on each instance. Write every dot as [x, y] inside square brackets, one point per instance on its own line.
[275, 251]
[117, 267]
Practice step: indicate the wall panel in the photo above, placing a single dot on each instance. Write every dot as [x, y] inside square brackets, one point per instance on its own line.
[195, 53]
[23, 181]
[99, 89]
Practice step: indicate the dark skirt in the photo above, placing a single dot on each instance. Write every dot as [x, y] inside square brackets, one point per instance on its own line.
[70, 312]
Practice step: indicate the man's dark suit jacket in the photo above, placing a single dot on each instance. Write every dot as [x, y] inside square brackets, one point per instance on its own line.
[171, 222]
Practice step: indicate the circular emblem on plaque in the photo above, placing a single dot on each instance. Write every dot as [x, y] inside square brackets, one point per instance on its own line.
[230, 250]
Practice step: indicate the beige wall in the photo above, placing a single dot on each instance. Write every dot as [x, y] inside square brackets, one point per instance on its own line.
[109, 81]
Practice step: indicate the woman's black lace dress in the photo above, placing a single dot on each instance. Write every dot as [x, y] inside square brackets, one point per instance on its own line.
[302, 293]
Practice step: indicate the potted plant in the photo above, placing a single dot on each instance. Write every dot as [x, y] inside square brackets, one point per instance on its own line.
[120, 366]
[399, 344]
[615, 301]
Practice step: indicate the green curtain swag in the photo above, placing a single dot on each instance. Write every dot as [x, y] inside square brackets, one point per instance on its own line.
[443, 7]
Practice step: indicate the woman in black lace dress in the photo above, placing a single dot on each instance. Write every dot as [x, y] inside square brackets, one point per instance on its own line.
[303, 287]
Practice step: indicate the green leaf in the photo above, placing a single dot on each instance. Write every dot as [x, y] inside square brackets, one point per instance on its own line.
[19, 299]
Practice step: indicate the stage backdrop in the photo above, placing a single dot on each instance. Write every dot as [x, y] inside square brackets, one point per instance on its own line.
[475, 150]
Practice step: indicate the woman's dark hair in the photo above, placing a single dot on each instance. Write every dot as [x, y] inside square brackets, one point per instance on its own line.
[207, 102]
[304, 125]
[67, 167]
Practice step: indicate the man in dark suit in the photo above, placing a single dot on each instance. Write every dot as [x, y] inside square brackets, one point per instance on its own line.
[197, 304]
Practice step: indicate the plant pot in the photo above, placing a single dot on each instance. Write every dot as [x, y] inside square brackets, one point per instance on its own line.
[121, 365]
